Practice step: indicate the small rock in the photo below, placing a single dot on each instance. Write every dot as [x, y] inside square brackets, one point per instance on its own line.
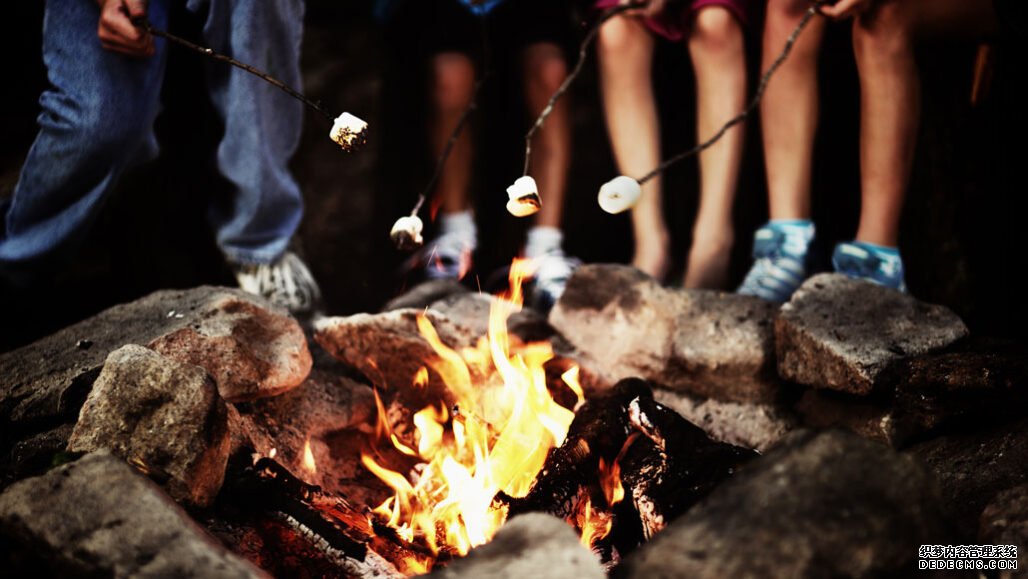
[36, 452]
[1005, 522]
[750, 425]
[818, 505]
[251, 351]
[870, 419]
[974, 467]
[531, 545]
[704, 343]
[425, 294]
[163, 413]
[847, 334]
[97, 517]
[45, 383]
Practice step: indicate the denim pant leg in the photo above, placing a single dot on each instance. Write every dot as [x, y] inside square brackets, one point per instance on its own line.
[97, 118]
[262, 124]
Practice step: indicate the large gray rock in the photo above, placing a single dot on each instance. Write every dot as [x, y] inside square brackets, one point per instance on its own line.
[1005, 522]
[425, 294]
[847, 334]
[97, 517]
[824, 505]
[162, 413]
[707, 344]
[388, 348]
[251, 351]
[531, 545]
[759, 426]
[48, 380]
[974, 467]
[987, 381]
[322, 406]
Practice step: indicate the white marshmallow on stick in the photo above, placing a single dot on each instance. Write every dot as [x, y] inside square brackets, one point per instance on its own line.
[619, 194]
[406, 233]
[523, 197]
[349, 131]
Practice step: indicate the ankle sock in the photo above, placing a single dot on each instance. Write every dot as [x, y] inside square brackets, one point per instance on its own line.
[461, 225]
[542, 240]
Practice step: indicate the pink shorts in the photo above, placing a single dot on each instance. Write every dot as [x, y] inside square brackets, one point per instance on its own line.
[672, 24]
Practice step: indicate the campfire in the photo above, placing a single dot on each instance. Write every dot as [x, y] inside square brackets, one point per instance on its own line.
[504, 435]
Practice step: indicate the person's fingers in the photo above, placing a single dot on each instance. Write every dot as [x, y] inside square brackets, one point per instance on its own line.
[117, 31]
[844, 9]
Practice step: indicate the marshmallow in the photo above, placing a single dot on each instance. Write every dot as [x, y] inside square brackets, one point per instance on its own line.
[524, 197]
[619, 194]
[406, 232]
[349, 131]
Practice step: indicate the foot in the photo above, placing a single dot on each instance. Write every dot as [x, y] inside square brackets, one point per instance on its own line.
[780, 254]
[552, 272]
[708, 264]
[287, 282]
[874, 263]
[448, 256]
[651, 256]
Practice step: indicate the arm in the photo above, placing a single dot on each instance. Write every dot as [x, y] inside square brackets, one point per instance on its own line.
[116, 31]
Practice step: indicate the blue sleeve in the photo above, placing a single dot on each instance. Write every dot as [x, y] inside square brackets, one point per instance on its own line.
[480, 7]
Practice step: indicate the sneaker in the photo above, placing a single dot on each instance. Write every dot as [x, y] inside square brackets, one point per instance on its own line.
[874, 263]
[780, 260]
[552, 271]
[286, 282]
[448, 257]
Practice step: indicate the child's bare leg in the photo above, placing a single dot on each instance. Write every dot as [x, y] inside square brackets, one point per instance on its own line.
[449, 256]
[544, 71]
[883, 41]
[626, 54]
[718, 54]
[789, 109]
[452, 90]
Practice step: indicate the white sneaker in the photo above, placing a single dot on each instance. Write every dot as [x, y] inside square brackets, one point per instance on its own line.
[286, 282]
[552, 271]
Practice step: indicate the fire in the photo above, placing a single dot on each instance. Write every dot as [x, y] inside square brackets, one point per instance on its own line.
[494, 438]
[308, 458]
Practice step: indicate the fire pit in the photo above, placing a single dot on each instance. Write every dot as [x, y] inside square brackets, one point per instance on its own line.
[461, 434]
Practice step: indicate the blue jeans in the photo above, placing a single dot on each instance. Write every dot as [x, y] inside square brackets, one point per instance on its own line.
[98, 114]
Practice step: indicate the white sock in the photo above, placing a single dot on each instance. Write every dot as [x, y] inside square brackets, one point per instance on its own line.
[542, 240]
[461, 225]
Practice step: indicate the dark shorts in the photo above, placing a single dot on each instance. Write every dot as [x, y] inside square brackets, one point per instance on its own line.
[1013, 18]
[673, 23]
[447, 26]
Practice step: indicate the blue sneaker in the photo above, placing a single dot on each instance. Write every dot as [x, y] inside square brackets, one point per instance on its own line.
[780, 260]
[874, 263]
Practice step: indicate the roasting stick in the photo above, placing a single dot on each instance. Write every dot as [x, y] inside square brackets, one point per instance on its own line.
[523, 195]
[622, 193]
[406, 232]
[348, 131]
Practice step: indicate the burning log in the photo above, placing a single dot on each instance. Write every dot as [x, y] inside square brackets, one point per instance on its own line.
[664, 464]
[329, 521]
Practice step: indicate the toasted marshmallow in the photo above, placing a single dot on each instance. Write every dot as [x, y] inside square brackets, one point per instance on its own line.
[524, 197]
[619, 194]
[406, 233]
[349, 131]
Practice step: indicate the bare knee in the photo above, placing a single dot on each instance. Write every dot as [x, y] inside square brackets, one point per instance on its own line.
[620, 36]
[882, 33]
[454, 81]
[715, 30]
[545, 68]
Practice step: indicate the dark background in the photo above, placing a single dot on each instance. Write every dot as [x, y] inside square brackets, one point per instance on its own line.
[962, 234]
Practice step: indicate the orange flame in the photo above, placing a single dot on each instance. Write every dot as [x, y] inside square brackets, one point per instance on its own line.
[495, 439]
[595, 524]
[308, 458]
